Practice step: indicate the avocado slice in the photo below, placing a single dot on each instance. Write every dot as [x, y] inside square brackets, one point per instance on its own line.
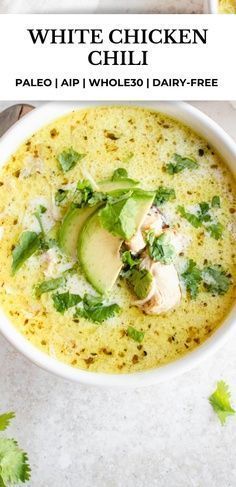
[99, 250]
[107, 185]
[99, 254]
[71, 227]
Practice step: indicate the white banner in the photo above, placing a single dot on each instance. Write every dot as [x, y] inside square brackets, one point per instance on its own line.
[118, 57]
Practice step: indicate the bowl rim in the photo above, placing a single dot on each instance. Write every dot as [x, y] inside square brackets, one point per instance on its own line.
[210, 6]
[200, 122]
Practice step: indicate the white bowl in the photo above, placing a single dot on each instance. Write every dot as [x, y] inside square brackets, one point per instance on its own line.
[227, 148]
[211, 6]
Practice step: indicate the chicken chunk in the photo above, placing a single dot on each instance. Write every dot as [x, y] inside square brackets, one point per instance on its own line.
[154, 220]
[165, 292]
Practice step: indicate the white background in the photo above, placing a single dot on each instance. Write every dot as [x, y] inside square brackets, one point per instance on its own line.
[159, 436]
[23, 59]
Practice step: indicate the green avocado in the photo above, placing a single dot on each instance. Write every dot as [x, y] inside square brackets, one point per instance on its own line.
[107, 185]
[99, 249]
[99, 254]
[71, 227]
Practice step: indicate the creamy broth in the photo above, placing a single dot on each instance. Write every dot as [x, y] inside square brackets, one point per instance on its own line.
[227, 6]
[143, 142]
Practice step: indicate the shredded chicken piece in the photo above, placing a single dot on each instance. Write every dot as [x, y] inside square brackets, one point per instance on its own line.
[53, 264]
[154, 220]
[32, 165]
[165, 292]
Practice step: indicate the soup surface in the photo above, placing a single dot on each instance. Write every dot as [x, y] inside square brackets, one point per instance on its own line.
[197, 199]
[227, 6]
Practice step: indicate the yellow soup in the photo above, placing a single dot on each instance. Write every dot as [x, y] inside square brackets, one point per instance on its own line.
[143, 142]
[227, 6]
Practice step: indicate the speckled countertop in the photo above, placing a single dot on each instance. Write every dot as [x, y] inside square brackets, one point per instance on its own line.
[159, 436]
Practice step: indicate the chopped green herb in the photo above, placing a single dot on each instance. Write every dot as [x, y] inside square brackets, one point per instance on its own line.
[95, 310]
[192, 277]
[215, 202]
[69, 158]
[216, 280]
[50, 285]
[163, 195]
[38, 212]
[129, 260]
[204, 218]
[119, 218]
[140, 281]
[5, 420]
[136, 335]
[14, 466]
[190, 217]
[60, 196]
[160, 248]
[203, 212]
[220, 401]
[215, 230]
[121, 174]
[62, 302]
[180, 163]
[85, 196]
[28, 244]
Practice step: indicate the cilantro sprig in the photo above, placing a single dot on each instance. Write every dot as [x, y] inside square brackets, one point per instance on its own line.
[136, 335]
[214, 279]
[159, 248]
[14, 465]
[163, 195]
[95, 310]
[68, 159]
[220, 401]
[203, 217]
[192, 277]
[180, 163]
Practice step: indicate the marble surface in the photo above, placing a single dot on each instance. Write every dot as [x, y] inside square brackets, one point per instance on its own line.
[109, 6]
[160, 436]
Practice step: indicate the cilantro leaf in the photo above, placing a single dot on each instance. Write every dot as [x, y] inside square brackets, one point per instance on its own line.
[140, 281]
[163, 195]
[136, 335]
[159, 248]
[39, 211]
[215, 202]
[220, 401]
[192, 277]
[69, 158]
[203, 212]
[190, 217]
[180, 163]
[50, 285]
[60, 196]
[216, 280]
[215, 230]
[83, 193]
[121, 174]
[85, 196]
[204, 218]
[14, 466]
[62, 302]
[119, 218]
[5, 420]
[95, 310]
[129, 260]
[28, 244]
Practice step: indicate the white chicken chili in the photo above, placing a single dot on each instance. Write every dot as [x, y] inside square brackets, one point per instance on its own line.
[117, 239]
